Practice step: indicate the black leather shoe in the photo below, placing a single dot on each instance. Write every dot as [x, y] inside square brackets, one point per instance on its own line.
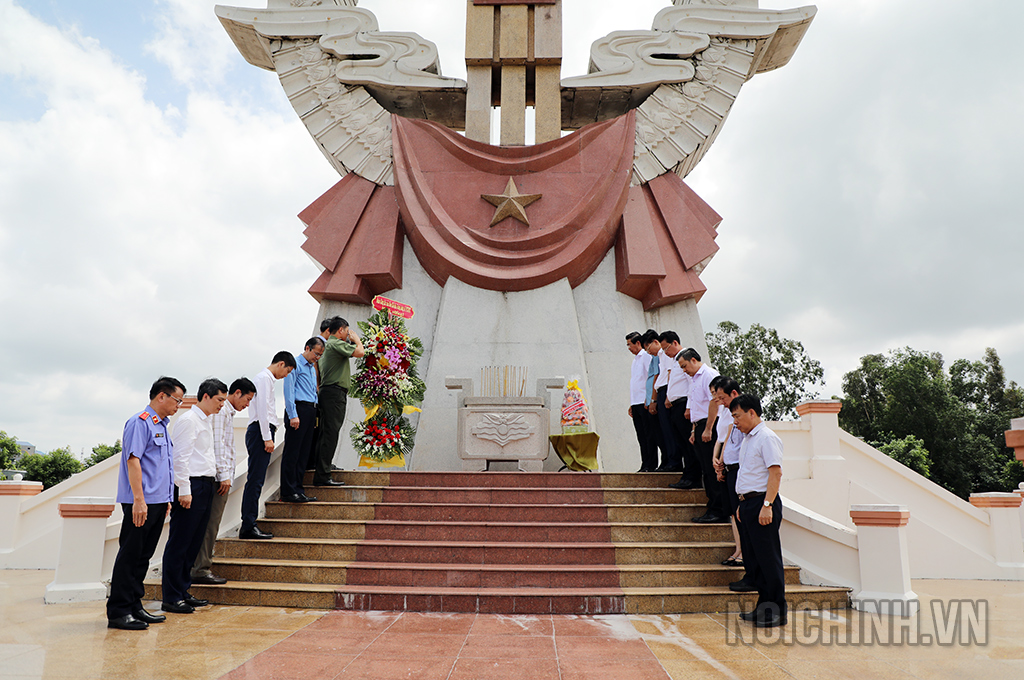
[671, 468]
[742, 586]
[643, 469]
[335, 468]
[254, 533]
[683, 485]
[711, 519]
[179, 607]
[297, 498]
[749, 616]
[194, 601]
[127, 622]
[146, 617]
[328, 482]
[770, 621]
[308, 499]
[209, 580]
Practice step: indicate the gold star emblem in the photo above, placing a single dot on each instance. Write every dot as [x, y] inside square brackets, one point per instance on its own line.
[511, 203]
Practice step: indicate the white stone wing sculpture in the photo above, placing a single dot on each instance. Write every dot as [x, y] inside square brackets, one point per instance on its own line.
[682, 76]
[344, 77]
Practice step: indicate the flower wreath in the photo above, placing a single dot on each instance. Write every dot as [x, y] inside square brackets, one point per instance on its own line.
[388, 387]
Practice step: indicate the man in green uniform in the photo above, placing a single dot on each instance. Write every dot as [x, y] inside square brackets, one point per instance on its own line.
[335, 379]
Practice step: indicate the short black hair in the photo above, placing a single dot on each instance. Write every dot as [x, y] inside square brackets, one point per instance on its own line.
[747, 402]
[688, 354]
[286, 357]
[650, 335]
[633, 337]
[165, 385]
[669, 337]
[336, 323]
[715, 382]
[728, 385]
[212, 387]
[325, 324]
[243, 385]
[315, 341]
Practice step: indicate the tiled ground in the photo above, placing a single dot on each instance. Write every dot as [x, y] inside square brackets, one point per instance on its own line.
[72, 641]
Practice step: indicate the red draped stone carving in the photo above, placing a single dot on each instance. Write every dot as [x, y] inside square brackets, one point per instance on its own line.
[584, 179]
[663, 233]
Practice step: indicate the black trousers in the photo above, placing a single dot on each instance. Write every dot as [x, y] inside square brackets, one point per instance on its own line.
[297, 443]
[670, 455]
[681, 427]
[136, 546]
[643, 424]
[333, 399]
[188, 529]
[259, 460]
[765, 555]
[704, 451]
[749, 570]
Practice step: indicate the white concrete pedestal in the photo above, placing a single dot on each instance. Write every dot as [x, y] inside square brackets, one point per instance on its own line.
[884, 560]
[80, 563]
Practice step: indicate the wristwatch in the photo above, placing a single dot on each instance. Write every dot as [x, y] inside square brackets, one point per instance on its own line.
[767, 504]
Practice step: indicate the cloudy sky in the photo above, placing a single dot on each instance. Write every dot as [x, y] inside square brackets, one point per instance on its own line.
[150, 178]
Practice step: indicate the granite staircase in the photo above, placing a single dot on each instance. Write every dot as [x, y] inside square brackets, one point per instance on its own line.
[492, 542]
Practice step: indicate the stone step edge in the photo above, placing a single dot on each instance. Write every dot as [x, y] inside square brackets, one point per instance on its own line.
[467, 523]
[371, 504]
[442, 566]
[293, 540]
[594, 489]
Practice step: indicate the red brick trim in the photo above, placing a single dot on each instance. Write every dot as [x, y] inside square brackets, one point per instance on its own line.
[880, 518]
[819, 407]
[84, 510]
[1008, 501]
[20, 488]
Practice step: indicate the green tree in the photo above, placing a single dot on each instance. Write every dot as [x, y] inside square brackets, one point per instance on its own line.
[9, 451]
[959, 417]
[101, 452]
[50, 468]
[909, 451]
[774, 368]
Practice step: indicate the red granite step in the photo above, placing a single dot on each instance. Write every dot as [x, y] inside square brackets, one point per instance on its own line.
[483, 600]
[472, 552]
[489, 532]
[490, 512]
[515, 480]
[482, 575]
[493, 495]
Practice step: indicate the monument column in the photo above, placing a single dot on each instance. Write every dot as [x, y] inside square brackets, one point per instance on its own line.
[514, 60]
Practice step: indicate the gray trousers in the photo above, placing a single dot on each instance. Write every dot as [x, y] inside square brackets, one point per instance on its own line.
[204, 559]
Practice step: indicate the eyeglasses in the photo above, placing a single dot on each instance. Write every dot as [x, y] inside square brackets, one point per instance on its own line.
[179, 401]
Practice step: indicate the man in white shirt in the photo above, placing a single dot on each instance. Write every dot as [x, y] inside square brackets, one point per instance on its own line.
[671, 456]
[223, 423]
[676, 395]
[702, 435]
[727, 464]
[195, 470]
[637, 410]
[259, 440]
[760, 511]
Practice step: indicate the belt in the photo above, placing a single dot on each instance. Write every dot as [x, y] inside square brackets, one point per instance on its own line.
[732, 467]
[202, 479]
[311, 403]
[750, 496]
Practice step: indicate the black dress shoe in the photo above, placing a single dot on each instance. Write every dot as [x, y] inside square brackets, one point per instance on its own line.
[209, 580]
[643, 469]
[770, 621]
[742, 586]
[670, 468]
[194, 601]
[308, 499]
[711, 518]
[127, 622]
[682, 485]
[254, 533]
[297, 498]
[335, 468]
[749, 616]
[143, 615]
[179, 607]
[328, 482]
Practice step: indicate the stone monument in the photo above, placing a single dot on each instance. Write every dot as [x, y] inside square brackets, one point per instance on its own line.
[543, 255]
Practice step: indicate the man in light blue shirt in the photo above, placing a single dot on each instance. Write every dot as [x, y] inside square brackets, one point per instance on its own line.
[300, 400]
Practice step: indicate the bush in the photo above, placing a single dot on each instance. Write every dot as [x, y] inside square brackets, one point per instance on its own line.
[101, 452]
[909, 451]
[50, 468]
[9, 451]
